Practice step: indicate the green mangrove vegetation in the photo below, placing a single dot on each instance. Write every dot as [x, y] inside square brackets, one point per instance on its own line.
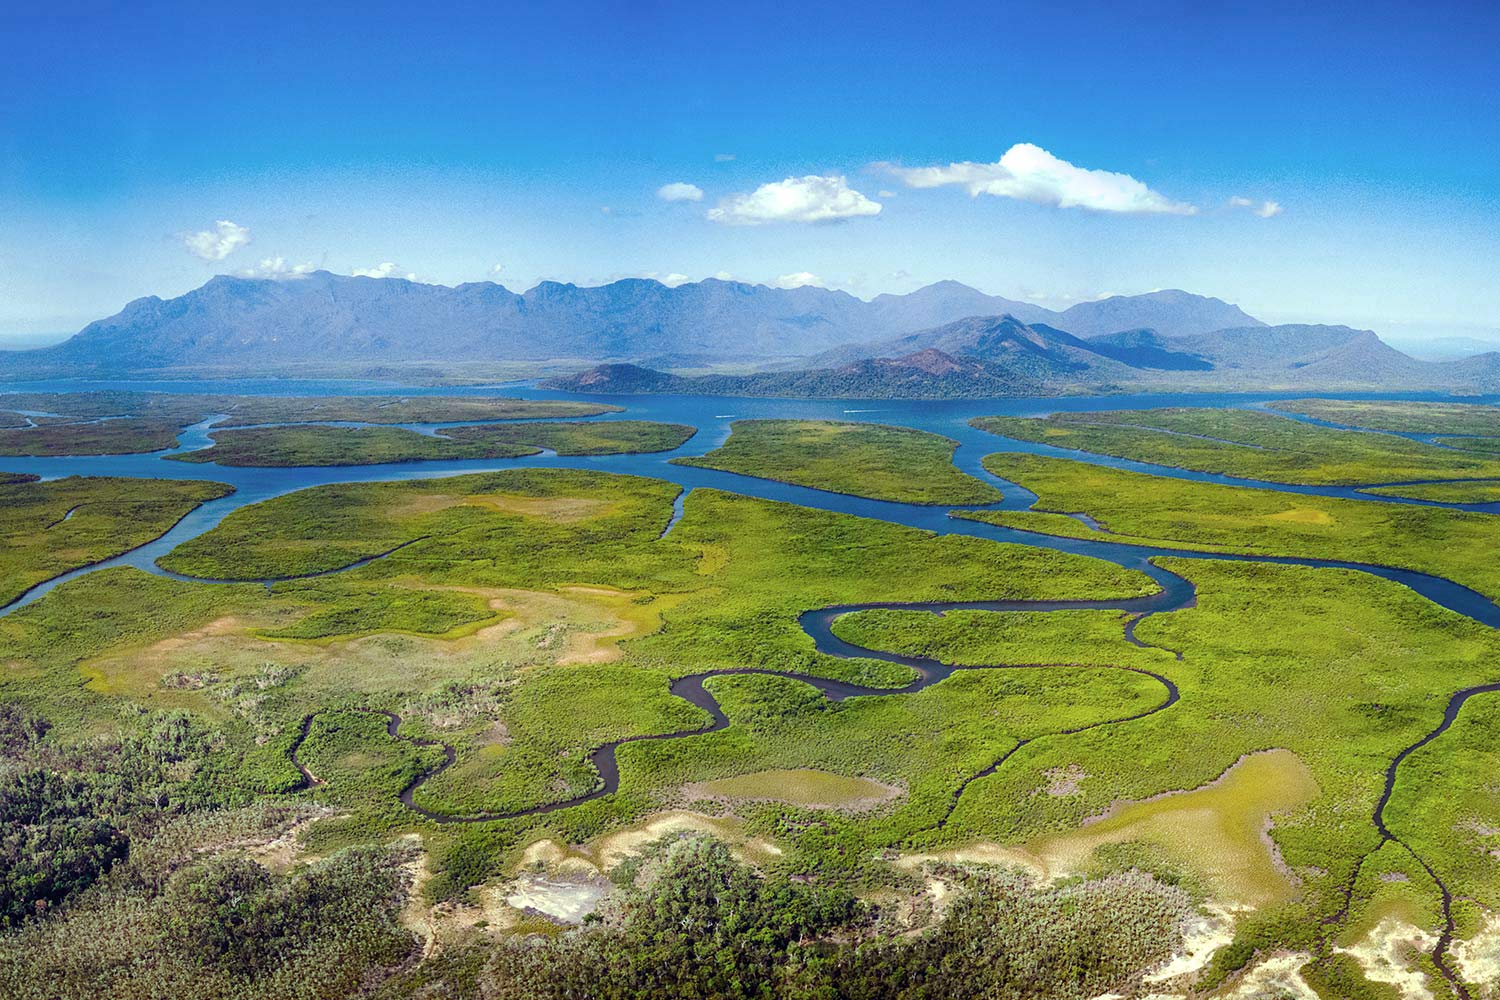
[118, 422]
[1477, 491]
[314, 444]
[123, 436]
[1251, 444]
[1139, 509]
[48, 528]
[1404, 416]
[869, 460]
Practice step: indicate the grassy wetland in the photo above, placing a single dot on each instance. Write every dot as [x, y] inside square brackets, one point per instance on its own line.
[377, 739]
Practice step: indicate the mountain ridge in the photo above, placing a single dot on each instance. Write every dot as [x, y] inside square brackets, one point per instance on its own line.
[979, 356]
[321, 317]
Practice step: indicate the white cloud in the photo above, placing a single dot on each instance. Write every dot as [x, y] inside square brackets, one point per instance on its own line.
[495, 270]
[679, 191]
[799, 279]
[671, 279]
[723, 157]
[796, 199]
[1264, 209]
[383, 270]
[216, 243]
[724, 276]
[1030, 173]
[276, 268]
[882, 193]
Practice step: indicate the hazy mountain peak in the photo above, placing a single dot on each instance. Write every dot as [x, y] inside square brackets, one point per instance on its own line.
[1170, 312]
[246, 322]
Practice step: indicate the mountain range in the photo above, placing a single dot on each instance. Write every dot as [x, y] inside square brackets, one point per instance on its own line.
[325, 318]
[997, 356]
[945, 339]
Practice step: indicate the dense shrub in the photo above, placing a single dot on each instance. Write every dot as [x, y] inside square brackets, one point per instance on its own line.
[67, 811]
[233, 915]
[707, 927]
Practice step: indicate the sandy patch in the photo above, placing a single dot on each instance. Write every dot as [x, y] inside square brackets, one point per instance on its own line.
[288, 849]
[1478, 958]
[575, 862]
[447, 921]
[559, 859]
[567, 900]
[613, 848]
[1276, 976]
[1202, 935]
[1386, 954]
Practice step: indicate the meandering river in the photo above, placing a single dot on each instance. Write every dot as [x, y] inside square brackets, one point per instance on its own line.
[713, 416]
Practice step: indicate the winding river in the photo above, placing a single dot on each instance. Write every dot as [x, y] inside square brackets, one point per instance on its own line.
[712, 415]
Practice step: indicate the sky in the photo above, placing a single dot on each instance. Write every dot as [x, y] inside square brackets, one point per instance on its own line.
[1322, 162]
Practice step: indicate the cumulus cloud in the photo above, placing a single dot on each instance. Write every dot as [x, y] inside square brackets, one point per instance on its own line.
[216, 243]
[495, 270]
[796, 199]
[799, 279]
[276, 268]
[1264, 209]
[1030, 173]
[679, 191]
[383, 270]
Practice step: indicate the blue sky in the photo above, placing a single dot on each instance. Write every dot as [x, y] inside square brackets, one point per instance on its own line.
[445, 139]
